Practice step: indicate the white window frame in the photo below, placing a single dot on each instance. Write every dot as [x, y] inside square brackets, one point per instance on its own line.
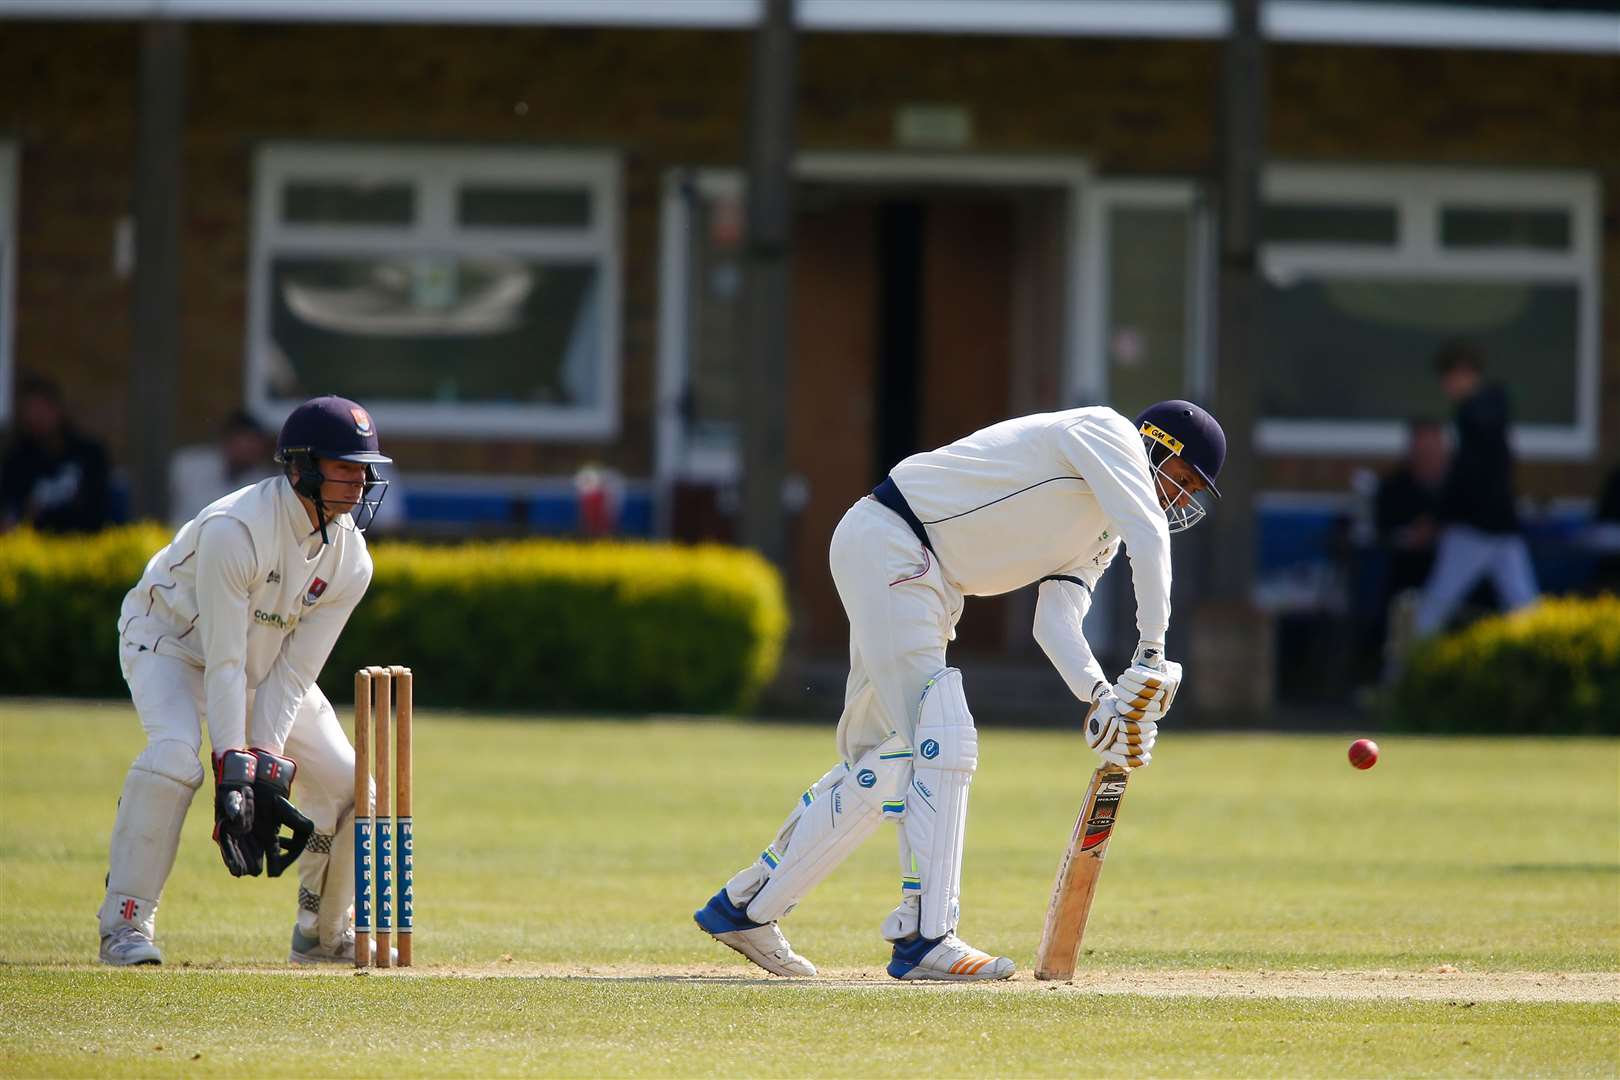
[1418, 194]
[8, 275]
[1089, 379]
[436, 172]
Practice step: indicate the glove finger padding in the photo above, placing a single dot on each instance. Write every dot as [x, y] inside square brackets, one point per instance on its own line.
[1141, 686]
[280, 851]
[1120, 741]
[272, 786]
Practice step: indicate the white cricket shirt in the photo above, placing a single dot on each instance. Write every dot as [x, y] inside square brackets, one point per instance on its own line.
[247, 591]
[1047, 496]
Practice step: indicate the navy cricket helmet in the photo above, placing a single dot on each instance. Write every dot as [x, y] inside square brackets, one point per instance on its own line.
[1181, 429]
[333, 428]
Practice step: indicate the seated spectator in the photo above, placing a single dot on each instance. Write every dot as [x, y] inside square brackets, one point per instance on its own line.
[1480, 533]
[52, 478]
[1604, 536]
[199, 475]
[1408, 505]
[1407, 514]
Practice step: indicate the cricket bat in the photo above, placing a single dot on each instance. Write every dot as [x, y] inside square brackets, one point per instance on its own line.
[1077, 875]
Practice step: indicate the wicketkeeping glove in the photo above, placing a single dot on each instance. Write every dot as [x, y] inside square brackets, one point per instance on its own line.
[273, 808]
[234, 771]
[1119, 739]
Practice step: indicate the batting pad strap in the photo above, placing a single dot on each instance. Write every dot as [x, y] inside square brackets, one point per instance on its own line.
[936, 804]
[842, 809]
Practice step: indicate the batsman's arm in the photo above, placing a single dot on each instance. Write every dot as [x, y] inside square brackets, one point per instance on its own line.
[1062, 600]
[1108, 455]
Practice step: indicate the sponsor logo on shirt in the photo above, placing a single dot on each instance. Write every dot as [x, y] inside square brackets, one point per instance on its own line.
[275, 619]
[274, 578]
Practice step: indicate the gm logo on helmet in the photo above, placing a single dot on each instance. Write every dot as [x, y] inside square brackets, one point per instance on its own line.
[930, 749]
[866, 778]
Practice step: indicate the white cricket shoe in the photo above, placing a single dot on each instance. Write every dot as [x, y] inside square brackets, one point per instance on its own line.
[307, 950]
[127, 947]
[947, 958]
[762, 943]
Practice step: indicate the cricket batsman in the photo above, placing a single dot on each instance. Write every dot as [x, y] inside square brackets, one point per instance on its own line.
[1039, 499]
[229, 626]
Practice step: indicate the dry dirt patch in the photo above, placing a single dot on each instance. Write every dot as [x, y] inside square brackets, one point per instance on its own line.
[1438, 984]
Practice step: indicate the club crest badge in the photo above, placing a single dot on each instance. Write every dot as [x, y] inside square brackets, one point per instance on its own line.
[362, 420]
[316, 588]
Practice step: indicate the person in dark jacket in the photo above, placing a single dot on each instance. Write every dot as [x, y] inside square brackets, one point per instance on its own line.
[53, 478]
[1480, 533]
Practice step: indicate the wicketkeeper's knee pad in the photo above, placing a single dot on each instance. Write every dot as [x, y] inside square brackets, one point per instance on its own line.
[936, 803]
[830, 820]
[146, 833]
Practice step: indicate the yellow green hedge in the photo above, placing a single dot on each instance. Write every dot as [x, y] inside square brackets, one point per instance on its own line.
[1553, 668]
[520, 625]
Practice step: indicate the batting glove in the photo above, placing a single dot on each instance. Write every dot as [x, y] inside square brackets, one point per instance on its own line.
[1117, 738]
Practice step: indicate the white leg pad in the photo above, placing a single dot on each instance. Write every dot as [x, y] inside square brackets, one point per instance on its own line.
[831, 819]
[146, 834]
[936, 804]
[326, 884]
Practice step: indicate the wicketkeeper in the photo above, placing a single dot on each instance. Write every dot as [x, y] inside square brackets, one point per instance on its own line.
[1045, 498]
[229, 626]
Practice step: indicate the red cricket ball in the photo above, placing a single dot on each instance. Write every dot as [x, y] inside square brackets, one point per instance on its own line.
[1363, 753]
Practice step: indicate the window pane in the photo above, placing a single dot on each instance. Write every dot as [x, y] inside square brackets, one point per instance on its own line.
[711, 405]
[341, 202]
[1147, 305]
[1328, 223]
[441, 330]
[524, 207]
[1362, 348]
[1522, 227]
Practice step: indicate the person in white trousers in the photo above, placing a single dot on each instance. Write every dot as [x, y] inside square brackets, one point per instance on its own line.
[1046, 498]
[229, 626]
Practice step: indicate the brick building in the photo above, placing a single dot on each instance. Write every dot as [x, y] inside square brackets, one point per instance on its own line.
[516, 235]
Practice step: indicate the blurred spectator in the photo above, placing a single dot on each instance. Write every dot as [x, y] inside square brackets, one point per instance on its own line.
[1604, 536]
[1480, 533]
[52, 477]
[1408, 506]
[199, 475]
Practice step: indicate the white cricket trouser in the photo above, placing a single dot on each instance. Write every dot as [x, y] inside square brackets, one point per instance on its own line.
[1463, 557]
[169, 699]
[902, 614]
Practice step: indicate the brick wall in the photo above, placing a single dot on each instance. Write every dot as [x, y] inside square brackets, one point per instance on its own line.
[664, 98]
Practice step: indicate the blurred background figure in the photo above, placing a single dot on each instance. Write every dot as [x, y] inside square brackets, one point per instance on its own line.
[201, 474]
[53, 478]
[1407, 513]
[1604, 536]
[1481, 534]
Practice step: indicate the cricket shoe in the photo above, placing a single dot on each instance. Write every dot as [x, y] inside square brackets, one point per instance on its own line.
[308, 950]
[127, 947]
[762, 943]
[947, 958]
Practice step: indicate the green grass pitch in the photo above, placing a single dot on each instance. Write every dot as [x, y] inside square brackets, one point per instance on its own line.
[1266, 911]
